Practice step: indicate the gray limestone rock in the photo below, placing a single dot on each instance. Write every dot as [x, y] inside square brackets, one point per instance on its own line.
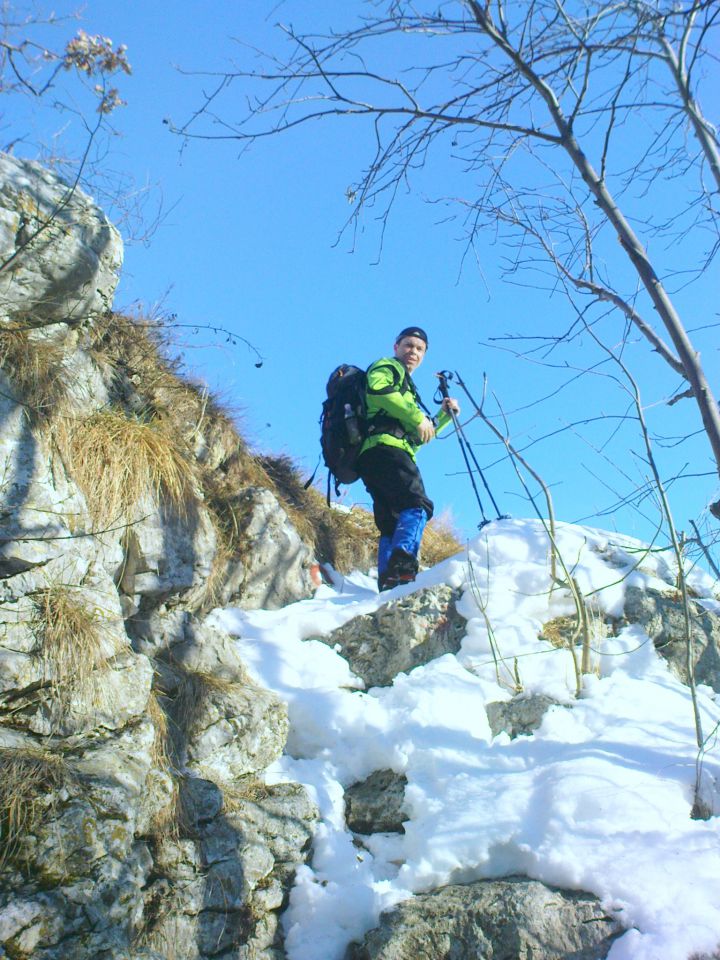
[519, 716]
[43, 515]
[221, 892]
[277, 569]
[401, 635]
[64, 254]
[661, 616]
[67, 668]
[75, 877]
[513, 918]
[375, 805]
[235, 729]
[187, 644]
[113, 695]
[168, 553]
[283, 815]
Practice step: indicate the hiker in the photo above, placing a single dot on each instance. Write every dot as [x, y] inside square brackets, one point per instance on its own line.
[397, 424]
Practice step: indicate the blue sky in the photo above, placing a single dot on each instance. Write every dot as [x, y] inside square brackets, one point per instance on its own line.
[248, 241]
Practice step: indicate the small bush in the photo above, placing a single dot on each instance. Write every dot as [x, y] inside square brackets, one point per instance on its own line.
[120, 459]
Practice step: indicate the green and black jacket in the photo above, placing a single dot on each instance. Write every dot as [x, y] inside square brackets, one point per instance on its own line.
[394, 408]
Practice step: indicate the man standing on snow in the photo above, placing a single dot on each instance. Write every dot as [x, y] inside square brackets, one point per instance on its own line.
[397, 424]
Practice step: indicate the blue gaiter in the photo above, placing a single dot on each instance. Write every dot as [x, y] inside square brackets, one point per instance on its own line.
[384, 551]
[409, 530]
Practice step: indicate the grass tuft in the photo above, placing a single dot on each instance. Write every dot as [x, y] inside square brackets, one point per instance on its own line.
[34, 365]
[559, 631]
[29, 782]
[167, 822]
[70, 640]
[161, 749]
[118, 459]
[440, 540]
[193, 690]
[245, 789]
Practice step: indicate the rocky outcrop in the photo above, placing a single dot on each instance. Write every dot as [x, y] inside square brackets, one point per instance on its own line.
[134, 818]
[276, 572]
[514, 917]
[401, 635]
[220, 892]
[662, 617]
[60, 255]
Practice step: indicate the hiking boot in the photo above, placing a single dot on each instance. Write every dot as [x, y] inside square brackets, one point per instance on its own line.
[402, 568]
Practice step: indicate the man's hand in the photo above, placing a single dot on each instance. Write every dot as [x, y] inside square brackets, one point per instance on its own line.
[450, 404]
[426, 430]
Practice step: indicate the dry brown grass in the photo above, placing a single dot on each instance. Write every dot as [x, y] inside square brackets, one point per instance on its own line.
[346, 539]
[160, 752]
[30, 780]
[304, 507]
[120, 459]
[241, 791]
[440, 541]
[70, 642]
[559, 631]
[34, 365]
[167, 822]
[137, 350]
[229, 513]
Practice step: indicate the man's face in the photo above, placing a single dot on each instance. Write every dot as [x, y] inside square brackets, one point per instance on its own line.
[410, 352]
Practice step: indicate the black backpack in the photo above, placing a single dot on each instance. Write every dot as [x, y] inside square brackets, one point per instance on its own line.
[343, 423]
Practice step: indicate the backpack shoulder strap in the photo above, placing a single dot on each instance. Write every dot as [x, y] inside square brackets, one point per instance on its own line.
[402, 382]
[400, 379]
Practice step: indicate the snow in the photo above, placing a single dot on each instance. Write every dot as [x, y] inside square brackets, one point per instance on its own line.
[598, 799]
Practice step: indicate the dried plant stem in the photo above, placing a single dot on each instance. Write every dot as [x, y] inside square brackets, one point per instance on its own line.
[514, 683]
[634, 391]
[515, 458]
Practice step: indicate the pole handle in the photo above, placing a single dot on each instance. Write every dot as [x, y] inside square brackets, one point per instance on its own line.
[443, 376]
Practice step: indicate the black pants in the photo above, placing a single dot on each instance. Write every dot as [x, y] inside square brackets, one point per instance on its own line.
[392, 479]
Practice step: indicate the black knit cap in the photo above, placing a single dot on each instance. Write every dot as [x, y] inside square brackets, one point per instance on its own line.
[412, 332]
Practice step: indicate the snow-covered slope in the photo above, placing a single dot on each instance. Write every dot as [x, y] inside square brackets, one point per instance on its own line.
[597, 799]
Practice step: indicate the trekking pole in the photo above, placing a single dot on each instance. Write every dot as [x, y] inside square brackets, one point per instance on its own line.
[512, 452]
[443, 377]
[444, 392]
[515, 458]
